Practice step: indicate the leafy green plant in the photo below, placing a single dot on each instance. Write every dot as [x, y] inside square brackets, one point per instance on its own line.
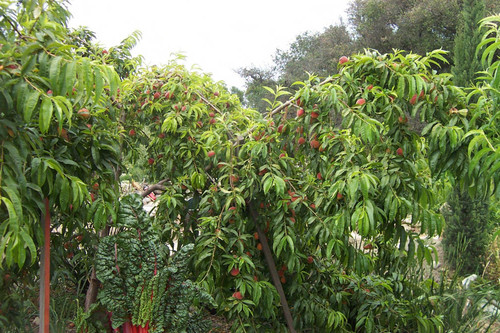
[142, 284]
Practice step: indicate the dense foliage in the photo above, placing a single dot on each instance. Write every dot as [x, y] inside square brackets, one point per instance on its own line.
[323, 202]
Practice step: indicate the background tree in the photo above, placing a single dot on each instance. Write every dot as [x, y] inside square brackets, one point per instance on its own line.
[466, 62]
[416, 26]
[255, 81]
[316, 53]
[465, 236]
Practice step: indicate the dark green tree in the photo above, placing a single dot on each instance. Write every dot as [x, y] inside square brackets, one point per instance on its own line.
[255, 81]
[466, 63]
[465, 236]
[316, 53]
[417, 26]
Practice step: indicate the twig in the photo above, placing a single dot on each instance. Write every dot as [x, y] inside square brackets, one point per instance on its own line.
[158, 186]
[288, 103]
[208, 102]
[14, 27]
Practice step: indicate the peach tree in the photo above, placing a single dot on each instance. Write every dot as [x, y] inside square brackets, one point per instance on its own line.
[58, 145]
[305, 208]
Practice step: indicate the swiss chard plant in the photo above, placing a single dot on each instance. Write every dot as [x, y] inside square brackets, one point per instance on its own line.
[144, 285]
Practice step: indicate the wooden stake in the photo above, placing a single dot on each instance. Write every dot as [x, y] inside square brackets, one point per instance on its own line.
[45, 272]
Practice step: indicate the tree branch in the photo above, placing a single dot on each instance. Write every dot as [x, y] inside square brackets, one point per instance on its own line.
[158, 186]
[272, 267]
[288, 103]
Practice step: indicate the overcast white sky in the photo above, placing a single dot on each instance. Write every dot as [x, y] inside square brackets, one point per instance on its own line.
[217, 35]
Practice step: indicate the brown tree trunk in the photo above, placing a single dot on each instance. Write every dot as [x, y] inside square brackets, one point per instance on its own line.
[272, 268]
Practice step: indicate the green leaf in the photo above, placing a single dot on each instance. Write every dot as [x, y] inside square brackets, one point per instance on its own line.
[54, 165]
[54, 73]
[267, 184]
[87, 75]
[290, 243]
[279, 185]
[99, 84]
[30, 104]
[45, 115]
[69, 78]
[64, 194]
[16, 202]
[30, 244]
[13, 220]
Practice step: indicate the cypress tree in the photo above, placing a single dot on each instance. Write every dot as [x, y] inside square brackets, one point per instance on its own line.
[466, 63]
[465, 234]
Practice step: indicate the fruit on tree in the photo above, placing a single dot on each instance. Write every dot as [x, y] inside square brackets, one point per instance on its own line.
[237, 295]
[413, 99]
[211, 153]
[339, 196]
[300, 112]
[259, 246]
[314, 144]
[131, 132]
[256, 235]
[235, 271]
[280, 128]
[151, 161]
[263, 172]
[399, 151]
[211, 114]
[319, 176]
[156, 95]
[95, 186]
[360, 101]
[314, 115]
[64, 133]
[301, 141]
[310, 260]
[83, 113]
[343, 60]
